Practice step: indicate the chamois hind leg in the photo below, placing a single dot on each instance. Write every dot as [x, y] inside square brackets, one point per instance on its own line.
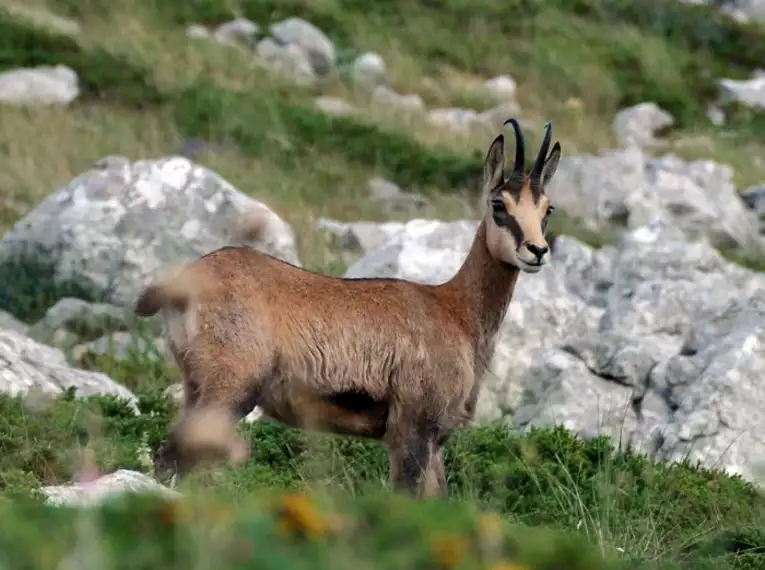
[222, 392]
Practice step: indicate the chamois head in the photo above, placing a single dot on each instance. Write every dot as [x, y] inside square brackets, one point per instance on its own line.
[518, 208]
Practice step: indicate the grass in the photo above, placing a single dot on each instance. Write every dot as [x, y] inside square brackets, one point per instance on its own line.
[559, 502]
[148, 90]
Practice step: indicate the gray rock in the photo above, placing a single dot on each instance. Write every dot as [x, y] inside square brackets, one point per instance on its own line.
[334, 106]
[106, 488]
[754, 199]
[747, 92]
[384, 96]
[114, 227]
[9, 322]
[310, 39]
[85, 320]
[289, 60]
[501, 88]
[657, 343]
[196, 31]
[122, 345]
[43, 85]
[427, 251]
[716, 393]
[239, 30]
[27, 365]
[360, 236]
[625, 188]
[368, 69]
[389, 194]
[637, 125]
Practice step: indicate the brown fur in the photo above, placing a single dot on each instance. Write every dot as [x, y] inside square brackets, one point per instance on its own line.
[380, 358]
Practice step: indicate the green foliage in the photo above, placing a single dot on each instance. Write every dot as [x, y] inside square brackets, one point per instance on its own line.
[46, 443]
[205, 111]
[102, 76]
[375, 532]
[547, 477]
[29, 289]
[701, 42]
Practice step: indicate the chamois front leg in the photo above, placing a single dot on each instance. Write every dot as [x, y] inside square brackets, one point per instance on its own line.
[416, 459]
[435, 475]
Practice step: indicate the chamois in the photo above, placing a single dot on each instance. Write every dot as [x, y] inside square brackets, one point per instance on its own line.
[380, 358]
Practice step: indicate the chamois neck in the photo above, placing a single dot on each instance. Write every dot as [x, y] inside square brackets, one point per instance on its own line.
[485, 285]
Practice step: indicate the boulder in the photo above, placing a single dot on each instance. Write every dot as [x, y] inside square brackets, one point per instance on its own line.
[115, 227]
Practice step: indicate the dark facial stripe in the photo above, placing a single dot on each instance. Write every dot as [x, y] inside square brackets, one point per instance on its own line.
[509, 223]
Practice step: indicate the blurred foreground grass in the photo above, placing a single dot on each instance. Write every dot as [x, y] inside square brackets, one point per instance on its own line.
[586, 499]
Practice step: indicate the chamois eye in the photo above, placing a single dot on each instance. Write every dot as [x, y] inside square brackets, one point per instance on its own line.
[498, 206]
[550, 210]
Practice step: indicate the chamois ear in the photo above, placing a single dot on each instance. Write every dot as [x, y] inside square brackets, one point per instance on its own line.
[494, 167]
[551, 164]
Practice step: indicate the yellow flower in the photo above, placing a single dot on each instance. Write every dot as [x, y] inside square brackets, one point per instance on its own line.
[299, 515]
[177, 512]
[449, 550]
[490, 526]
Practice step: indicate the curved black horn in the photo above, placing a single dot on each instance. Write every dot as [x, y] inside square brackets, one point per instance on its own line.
[536, 171]
[520, 148]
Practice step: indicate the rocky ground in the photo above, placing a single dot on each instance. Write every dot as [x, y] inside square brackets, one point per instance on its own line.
[134, 136]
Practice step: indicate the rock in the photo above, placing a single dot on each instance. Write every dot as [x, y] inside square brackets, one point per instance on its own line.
[122, 345]
[456, 119]
[105, 488]
[114, 227]
[471, 122]
[754, 199]
[740, 10]
[334, 106]
[657, 343]
[420, 250]
[625, 188]
[9, 322]
[385, 97]
[501, 88]
[310, 39]
[290, 60]
[637, 125]
[196, 31]
[715, 392]
[389, 194]
[494, 117]
[368, 69]
[27, 365]
[83, 319]
[175, 393]
[674, 352]
[359, 236]
[716, 115]
[239, 30]
[43, 85]
[747, 92]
